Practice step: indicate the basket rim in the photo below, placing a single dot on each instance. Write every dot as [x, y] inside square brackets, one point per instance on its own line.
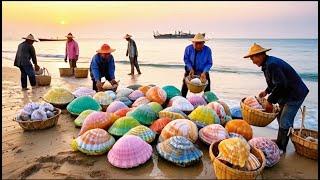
[196, 85]
[63, 104]
[296, 130]
[29, 121]
[265, 113]
[259, 170]
[81, 68]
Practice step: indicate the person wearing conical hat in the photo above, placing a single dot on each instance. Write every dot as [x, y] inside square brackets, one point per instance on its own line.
[285, 87]
[198, 61]
[132, 51]
[102, 65]
[72, 51]
[24, 53]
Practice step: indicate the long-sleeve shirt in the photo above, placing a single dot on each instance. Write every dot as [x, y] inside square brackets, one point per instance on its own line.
[72, 50]
[284, 83]
[100, 67]
[24, 53]
[198, 61]
[132, 48]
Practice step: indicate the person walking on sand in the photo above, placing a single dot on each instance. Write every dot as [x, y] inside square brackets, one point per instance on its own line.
[132, 51]
[24, 53]
[102, 65]
[72, 51]
[198, 61]
[285, 87]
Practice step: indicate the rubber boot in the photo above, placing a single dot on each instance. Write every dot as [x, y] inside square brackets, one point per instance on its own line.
[282, 139]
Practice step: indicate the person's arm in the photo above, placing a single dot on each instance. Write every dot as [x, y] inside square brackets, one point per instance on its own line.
[279, 81]
[66, 52]
[76, 46]
[187, 60]
[33, 55]
[127, 50]
[135, 48]
[112, 68]
[208, 64]
[95, 68]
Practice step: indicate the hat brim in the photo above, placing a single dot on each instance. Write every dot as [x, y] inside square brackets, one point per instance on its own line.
[70, 36]
[261, 51]
[30, 39]
[127, 37]
[199, 40]
[106, 52]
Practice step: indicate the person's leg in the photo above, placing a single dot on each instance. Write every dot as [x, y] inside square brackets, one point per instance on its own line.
[31, 74]
[71, 64]
[184, 89]
[132, 65]
[23, 78]
[94, 86]
[136, 64]
[209, 83]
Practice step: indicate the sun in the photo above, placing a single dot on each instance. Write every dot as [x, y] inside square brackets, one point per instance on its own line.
[62, 22]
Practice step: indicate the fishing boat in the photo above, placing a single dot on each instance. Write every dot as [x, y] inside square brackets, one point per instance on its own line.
[176, 35]
[51, 39]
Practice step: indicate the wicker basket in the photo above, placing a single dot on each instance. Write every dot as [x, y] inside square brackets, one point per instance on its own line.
[43, 80]
[223, 171]
[257, 117]
[37, 125]
[303, 147]
[65, 72]
[81, 72]
[193, 87]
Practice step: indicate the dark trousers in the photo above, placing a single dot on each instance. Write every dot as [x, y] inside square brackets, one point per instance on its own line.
[184, 89]
[72, 64]
[27, 71]
[134, 63]
[94, 85]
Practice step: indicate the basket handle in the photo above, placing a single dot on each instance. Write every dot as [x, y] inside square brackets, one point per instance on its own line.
[303, 111]
[44, 71]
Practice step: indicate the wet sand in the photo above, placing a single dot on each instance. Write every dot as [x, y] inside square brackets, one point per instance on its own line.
[47, 154]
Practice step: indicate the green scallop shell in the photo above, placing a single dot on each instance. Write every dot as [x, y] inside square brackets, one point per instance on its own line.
[83, 103]
[144, 114]
[210, 96]
[156, 107]
[79, 120]
[122, 125]
[143, 132]
[171, 91]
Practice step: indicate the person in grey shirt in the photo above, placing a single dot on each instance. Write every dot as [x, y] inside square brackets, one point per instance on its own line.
[24, 53]
[132, 51]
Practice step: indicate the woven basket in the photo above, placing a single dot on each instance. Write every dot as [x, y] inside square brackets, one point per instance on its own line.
[81, 72]
[37, 125]
[43, 80]
[65, 72]
[257, 117]
[303, 147]
[193, 87]
[223, 171]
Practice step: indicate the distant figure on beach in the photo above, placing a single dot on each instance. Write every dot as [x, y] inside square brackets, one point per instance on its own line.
[24, 53]
[285, 87]
[72, 51]
[198, 61]
[102, 65]
[132, 51]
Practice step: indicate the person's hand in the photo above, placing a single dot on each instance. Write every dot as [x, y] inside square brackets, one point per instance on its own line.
[77, 56]
[262, 94]
[65, 59]
[36, 67]
[191, 73]
[99, 86]
[203, 77]
[269, 107]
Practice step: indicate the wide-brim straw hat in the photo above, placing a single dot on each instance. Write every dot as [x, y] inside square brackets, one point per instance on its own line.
[255, 49]
[70, 36]
[30, 37]
[199, 38]
[105, 49]
[127, 36]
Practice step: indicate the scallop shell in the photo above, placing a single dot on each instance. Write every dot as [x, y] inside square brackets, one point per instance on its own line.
[140, 101]
[203, 116]
[180, 151]
[225, 106]
[213, 133]
[210, 96]
[103, 98]
[46, 107]
[234, 150]
[241, 127]
[80, 119]
[269, 149]
[196, 81]
[135, 95]
[252, 102]
[172, 113]
[171, 91]
[98, 119]
[58, 95]
[197, 101]
[83, 103]
[134, 86]
[125, 100]
[144, 89]
[144, 114]
[123, 125]
[156, 94]
[30, 107]
[107, 85]
[183, 104]
[180, 127]
[218, 108]
[232, 135]
[94, 142]
[156, 107]
[236, 112]
[173, 99]
[159, 124]
[111, 94]
[122, 112]
[39, 114]
[129, 151]
[83, 91]
[252, 163]
[143, 132]
[115, 106]
[124, 92]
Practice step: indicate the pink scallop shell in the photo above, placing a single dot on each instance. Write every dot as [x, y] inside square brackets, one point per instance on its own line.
[213, 133]
[115, 106]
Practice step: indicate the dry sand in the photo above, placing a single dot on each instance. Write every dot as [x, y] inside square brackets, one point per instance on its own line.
[47, 154]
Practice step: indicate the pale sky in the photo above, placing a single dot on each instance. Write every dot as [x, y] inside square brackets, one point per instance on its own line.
[114, 19]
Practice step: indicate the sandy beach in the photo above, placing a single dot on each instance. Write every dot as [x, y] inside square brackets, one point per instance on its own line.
[47, 154]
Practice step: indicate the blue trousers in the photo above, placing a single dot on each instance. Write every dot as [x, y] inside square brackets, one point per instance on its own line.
[27, 71]
[288, 113]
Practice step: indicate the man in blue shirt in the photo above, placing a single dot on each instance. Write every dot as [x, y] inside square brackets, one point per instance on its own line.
[102, 65]
[285, 88]
[198, 61]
